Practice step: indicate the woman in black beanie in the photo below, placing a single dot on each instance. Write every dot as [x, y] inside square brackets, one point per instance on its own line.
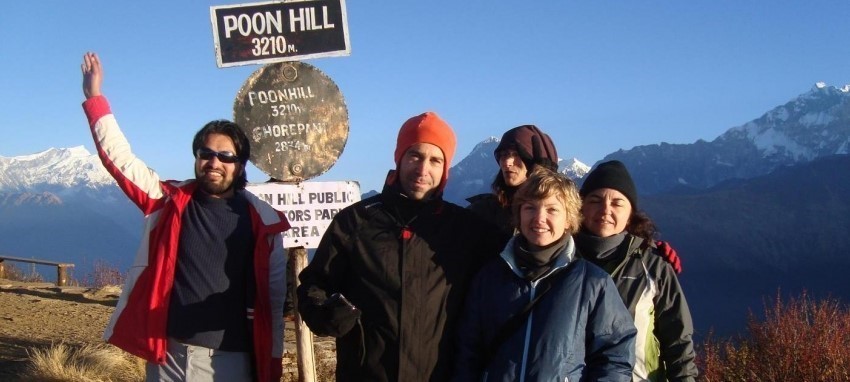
[618, 237]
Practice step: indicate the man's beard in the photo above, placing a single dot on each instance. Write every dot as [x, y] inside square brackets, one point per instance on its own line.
[213, 188]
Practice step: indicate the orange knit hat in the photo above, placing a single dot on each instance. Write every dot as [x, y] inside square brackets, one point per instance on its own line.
[427, 128]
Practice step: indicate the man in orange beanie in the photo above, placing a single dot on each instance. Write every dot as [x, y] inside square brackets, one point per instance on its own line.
[426, 145]
[391, 271]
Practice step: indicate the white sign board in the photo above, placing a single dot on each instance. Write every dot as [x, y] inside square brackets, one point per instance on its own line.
[309, 206]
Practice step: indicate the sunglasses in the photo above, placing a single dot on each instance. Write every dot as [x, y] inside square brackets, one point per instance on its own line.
[223, 156]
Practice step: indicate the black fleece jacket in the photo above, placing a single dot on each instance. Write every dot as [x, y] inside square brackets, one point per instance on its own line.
[406, 266]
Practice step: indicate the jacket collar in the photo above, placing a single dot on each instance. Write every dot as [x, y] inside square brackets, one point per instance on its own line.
[565, 257]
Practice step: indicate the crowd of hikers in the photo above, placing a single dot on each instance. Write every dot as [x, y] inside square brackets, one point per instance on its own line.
[540, 280]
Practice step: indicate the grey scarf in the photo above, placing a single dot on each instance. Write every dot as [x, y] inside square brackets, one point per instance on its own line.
[535, 261]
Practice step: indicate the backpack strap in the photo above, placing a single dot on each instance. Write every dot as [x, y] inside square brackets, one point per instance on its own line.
[514, 322]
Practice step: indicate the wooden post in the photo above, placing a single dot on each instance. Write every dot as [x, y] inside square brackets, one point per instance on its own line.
[303, 335]
[2, 269]
[62, 274]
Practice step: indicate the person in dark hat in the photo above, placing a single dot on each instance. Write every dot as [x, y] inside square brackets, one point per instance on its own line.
[619, 238]
[520, 150]
[389, 276]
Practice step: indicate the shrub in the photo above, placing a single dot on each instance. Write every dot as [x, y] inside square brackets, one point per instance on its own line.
[801, 340]
[103, 275]
[17, 274]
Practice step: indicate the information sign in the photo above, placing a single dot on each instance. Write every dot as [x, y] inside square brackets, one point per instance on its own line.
[296, 119]
[309, 206]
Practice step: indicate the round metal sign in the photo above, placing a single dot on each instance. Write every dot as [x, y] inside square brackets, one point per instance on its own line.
[296, 119]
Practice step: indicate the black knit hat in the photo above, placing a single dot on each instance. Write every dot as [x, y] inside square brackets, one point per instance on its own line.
[520, 138]
[612, 174]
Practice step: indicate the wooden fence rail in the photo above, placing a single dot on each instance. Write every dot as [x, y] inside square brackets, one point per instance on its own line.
[61, 268]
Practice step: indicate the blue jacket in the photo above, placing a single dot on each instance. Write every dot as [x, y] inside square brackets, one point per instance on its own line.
[579, 331]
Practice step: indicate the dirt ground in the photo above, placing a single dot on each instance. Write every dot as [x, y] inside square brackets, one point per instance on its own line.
[37, 315]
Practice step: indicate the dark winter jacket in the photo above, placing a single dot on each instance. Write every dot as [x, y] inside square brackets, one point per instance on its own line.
[487, 207]
[405, 266]
[649, 287]
[579, 331]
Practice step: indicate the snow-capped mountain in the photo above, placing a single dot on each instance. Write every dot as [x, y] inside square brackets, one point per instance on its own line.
[53, 170]
[62, 205]
[812, 125]
[573, 168]
[474, 173]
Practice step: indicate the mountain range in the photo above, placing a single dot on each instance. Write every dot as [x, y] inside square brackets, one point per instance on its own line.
[811, 125]
[62, 205]
[760, 210]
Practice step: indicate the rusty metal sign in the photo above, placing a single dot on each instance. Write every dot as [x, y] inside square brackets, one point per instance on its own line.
[276, 31]
[296, 119]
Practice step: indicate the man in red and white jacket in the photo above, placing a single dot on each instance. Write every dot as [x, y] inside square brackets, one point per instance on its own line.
[208, 280]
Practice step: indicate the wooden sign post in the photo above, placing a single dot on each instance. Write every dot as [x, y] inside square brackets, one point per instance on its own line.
[294, 116]
[303, 335]
[297, 124]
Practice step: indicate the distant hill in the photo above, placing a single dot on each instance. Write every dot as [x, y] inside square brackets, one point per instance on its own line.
[744, 240]
[812, 125]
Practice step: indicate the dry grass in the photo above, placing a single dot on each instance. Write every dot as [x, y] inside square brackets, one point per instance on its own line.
[324, 360]
[14, 273]
[86, 363]
[106, 363]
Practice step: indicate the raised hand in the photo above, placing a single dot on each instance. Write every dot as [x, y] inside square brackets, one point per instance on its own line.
[92, 75]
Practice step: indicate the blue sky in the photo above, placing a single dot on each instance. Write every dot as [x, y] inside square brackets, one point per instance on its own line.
[597, 76]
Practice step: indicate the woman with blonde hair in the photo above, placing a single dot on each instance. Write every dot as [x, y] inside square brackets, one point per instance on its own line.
[538, 312]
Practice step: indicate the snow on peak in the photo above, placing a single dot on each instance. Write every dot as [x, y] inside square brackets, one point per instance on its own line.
[823, 86]
[52, 168]
[78, 151]
[486, 144]
[573, 168]
[485, 148]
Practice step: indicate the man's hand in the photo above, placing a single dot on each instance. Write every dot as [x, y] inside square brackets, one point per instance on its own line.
[339, 316]
[669, 254]
[92, 75]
